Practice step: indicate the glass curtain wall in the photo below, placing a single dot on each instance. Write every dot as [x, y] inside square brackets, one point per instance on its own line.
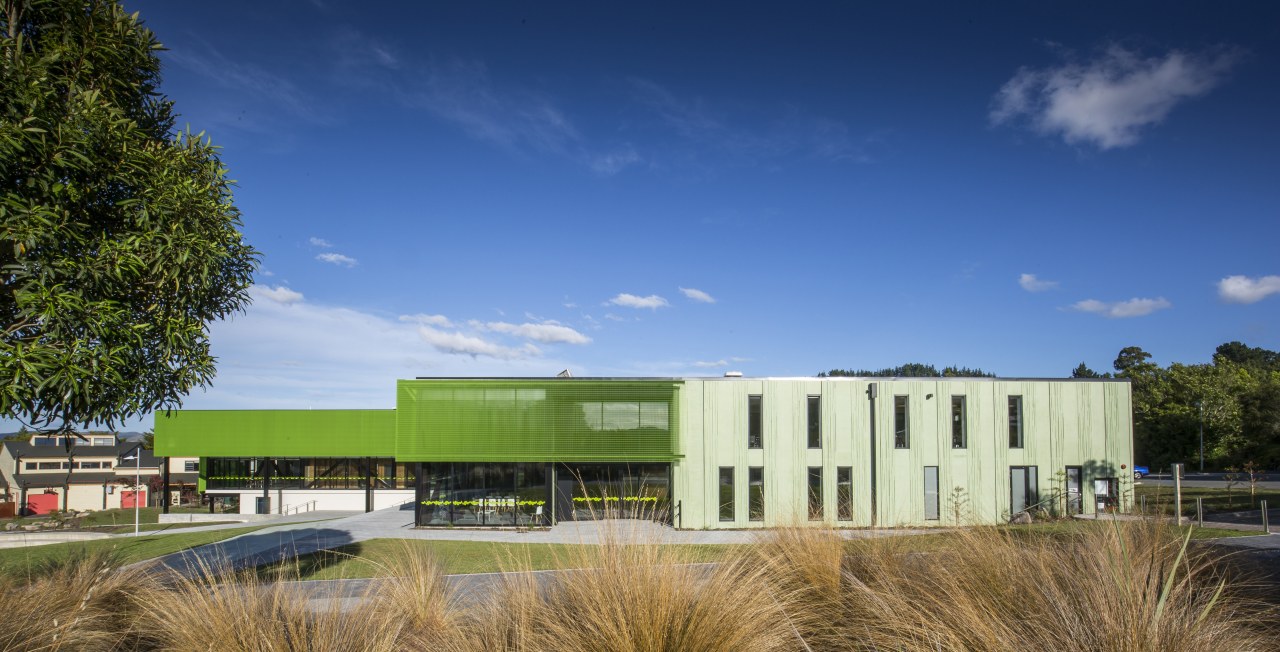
[483, 493]
[309, 473]
[592, 491]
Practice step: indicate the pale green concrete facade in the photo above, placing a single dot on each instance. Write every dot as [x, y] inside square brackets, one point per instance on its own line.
[1079, 423]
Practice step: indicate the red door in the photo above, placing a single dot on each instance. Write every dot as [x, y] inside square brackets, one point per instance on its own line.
[42, 503]
[129, 498]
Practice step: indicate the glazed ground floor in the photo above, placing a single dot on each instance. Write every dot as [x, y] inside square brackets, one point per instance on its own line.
[505, 494]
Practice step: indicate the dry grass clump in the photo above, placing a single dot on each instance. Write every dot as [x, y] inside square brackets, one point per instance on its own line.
[78, 604]
[1131, 586]
[628, 596]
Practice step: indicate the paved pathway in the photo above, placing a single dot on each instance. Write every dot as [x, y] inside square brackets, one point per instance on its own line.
[283, 542]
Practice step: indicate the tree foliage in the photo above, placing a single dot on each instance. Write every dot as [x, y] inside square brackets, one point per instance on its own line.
[909, 370]
[119, 240]
[1083, 371]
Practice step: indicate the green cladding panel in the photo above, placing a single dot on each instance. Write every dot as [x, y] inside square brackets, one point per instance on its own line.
[276, 433]
[536, 420]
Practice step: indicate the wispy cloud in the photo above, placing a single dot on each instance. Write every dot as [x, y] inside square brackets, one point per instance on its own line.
[1108, 101]
[427, 320]
[697, 295]
[279, 294]
[770, 133]
[337, 259]
[549, 332]
[652, 302]
[248, 80]
[1122, 309]
[1031, 283]
[320, 242]
[1242, 289]
[462, 344]
[611, 163]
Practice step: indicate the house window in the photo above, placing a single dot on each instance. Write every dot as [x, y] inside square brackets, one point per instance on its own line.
[90, 465]
[930, 493]
[844, 493]
[755, 493]
[1015, 422]
[901, 433]
[815, 493]
[30, 466]
[44, 441]
[755, 437]
[959, 423]
[49, 466]
[726, 494]
[106, 465]
[815, 421]
[1023, 488]
[191, 466]
[103, 441]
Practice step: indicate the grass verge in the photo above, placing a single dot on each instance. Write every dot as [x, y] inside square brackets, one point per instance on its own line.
[24, 562]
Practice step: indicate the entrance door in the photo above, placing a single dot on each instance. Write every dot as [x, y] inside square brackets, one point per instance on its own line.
[1075, 501]
[1022, 489]
[130, 499]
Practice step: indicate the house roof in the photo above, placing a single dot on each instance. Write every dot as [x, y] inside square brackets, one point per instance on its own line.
[119, 451]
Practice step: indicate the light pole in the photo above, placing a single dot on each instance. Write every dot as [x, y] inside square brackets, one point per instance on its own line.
[137, 484]
[1200, 407]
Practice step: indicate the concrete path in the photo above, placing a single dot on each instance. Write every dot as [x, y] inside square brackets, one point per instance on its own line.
[279, 543]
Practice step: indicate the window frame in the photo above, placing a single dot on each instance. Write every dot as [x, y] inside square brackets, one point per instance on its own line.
[189, 466]
[962, 422]
[844, 493]
[755, 499]
[1017, 431]
[817, 507]
[755, 421]
[729, 506]
[901, 431]
[813, 409]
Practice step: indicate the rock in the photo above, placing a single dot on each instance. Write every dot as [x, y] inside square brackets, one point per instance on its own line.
[9, 527]
[1021, 518]
[30, 528]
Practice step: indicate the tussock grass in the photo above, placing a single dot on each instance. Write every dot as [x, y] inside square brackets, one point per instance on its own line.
[1130, 586]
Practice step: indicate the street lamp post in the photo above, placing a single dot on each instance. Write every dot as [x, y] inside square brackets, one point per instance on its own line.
[137, 485]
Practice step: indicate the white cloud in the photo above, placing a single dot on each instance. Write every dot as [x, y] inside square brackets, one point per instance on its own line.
[462, 344]
[427, 320]
[1030, 283]
[611, 163]
[1121, 309]
[320, 242]
[546, 332]
[652, 301]
[279, 294]
[711, 364]
[1107, 102]
[1242, 289]
[337, 259]
[698, 295]
[612, 317]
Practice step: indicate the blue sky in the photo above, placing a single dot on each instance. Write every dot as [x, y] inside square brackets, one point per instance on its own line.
[645, 189]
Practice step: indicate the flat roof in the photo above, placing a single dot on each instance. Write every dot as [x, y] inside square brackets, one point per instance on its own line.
[804, 378]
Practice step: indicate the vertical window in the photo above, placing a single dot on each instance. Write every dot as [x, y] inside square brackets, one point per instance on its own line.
[755, 437]
[901, 433]
[844, 493]
[959, 423]
[1015, 422]
[1075, 502]
[755, 493]
[726, 494]
[815, 422]
[930, 493]
[815, 493]
[1023, 488]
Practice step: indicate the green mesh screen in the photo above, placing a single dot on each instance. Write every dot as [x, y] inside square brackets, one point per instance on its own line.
[537, 420]
[276, 433]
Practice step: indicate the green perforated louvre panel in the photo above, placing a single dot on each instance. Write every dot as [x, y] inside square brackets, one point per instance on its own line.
[537, 420]
[276, 433]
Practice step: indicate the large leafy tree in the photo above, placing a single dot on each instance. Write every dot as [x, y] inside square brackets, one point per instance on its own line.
[119, 240]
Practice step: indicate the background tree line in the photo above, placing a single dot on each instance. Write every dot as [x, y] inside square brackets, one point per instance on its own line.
[1236, 397]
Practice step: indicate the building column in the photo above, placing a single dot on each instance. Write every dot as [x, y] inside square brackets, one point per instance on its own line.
[368, 485]
[164, 492]
[418, 483]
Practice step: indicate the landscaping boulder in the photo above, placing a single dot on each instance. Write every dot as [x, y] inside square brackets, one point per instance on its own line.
[1021, 518]
[30, 528]
[9, 527]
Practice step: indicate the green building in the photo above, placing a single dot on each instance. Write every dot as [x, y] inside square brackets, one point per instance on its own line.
[698, 452]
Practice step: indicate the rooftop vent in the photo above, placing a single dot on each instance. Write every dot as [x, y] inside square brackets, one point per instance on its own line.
[565, 374]
[733, 374]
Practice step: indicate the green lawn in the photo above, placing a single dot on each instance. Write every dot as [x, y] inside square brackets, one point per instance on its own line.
[23, 561]
[115, 516]
[1159, 498]
[156, 527]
